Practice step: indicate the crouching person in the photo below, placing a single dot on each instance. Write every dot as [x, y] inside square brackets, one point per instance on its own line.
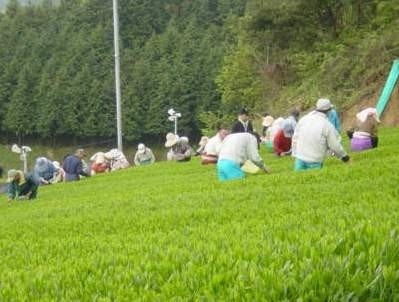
[117, 159]
[213, 146]
[180, 149]
[236, 149]
[283, 139]
[99, 163]
[73, 166]
[21, 185]
[364, 134]
[43, 171]
[144, 156]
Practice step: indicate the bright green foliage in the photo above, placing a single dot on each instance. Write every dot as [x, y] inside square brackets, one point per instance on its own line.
[297, 51]
[173, 232]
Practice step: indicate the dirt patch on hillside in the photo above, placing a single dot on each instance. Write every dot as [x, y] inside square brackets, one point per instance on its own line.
[390, 116]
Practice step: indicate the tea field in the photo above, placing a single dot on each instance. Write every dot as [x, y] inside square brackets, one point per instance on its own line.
[172, 232]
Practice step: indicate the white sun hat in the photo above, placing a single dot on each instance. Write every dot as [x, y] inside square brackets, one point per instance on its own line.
[171, 140]
[323, 105]
[141, 148]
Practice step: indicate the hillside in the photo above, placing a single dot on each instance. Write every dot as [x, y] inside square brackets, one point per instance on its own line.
[206, 59]
[172, 232]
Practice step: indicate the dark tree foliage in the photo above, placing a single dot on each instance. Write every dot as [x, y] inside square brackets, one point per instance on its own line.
[57, 66]
[205, 58]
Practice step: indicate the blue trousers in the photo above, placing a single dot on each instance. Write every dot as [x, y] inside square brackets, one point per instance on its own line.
[301, 165]
[229, 170]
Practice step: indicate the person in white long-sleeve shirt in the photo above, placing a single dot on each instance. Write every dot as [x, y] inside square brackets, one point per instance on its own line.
[236, 149]
[213, 146]
[314, 137]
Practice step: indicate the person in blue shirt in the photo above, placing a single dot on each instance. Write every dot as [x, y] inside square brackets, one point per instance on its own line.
[44, 171]
[73, 166]
[333, 117]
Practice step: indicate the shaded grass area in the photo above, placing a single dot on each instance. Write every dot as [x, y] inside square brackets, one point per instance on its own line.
[173, 232]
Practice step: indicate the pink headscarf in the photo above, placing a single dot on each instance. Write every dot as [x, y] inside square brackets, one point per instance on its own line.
[362, 115]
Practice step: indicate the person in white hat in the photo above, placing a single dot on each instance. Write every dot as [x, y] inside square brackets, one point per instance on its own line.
[21, 185]
[180, 149]
[143, 156]
[314, 137]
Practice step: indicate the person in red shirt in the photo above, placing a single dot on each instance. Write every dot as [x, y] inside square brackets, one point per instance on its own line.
[283, 139]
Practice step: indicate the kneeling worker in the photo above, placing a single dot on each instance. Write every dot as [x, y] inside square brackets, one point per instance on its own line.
[236, 149]
[212, 148]
[21, 185]
[143, 156]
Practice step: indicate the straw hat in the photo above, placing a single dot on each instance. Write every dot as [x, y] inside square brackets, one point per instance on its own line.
[11, 175]
[171, 140]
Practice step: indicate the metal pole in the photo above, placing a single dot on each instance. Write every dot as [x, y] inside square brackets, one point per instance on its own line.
[25, 159]
[117, 75]
[175, 125]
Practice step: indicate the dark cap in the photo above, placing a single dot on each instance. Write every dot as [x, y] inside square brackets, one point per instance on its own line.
[243, 111]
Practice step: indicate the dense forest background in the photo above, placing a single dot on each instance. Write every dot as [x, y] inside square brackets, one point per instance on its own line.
[205, 58]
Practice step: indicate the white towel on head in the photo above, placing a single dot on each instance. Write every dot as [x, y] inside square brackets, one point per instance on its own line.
[362, 115]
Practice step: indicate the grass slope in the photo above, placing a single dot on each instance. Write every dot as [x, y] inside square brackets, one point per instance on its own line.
[172, 232]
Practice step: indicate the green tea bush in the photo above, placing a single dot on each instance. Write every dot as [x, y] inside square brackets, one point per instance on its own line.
[171, 231]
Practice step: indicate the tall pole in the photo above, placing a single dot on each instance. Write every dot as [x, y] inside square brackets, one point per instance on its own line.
[25, 159]
[175, 125]
[117, 75]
